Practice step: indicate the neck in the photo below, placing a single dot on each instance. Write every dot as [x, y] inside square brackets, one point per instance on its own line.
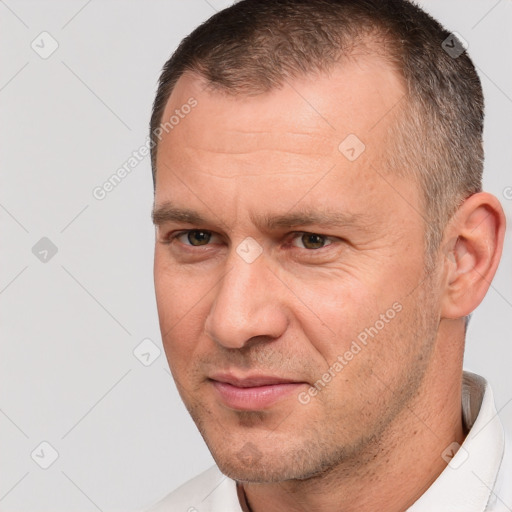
[395, 470]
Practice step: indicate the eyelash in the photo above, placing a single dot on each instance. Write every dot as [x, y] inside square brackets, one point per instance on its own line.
[171, 237]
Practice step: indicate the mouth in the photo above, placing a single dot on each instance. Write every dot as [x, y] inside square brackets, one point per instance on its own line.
[253, 392]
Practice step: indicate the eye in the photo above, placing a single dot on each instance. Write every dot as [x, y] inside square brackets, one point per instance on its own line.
[195, 237]
[311, 241]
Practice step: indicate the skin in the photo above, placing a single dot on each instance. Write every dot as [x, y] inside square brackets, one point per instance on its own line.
[389, 414]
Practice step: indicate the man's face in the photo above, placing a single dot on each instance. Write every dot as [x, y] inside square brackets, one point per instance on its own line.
[333, 271]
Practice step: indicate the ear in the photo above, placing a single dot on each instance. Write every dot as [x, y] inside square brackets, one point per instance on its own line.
[472, 246]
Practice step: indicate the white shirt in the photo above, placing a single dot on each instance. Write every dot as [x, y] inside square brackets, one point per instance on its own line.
[477, 479]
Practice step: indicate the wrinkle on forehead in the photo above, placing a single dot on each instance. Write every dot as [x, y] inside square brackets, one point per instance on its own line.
[242, 174]
[262, 145]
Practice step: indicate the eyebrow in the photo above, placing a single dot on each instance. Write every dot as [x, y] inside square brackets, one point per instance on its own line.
[304, 217]
[166, 212]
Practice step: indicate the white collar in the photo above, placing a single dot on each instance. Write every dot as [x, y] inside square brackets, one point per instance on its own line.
[467, 483]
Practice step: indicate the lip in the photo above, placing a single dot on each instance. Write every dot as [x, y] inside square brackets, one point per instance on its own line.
[253, 392]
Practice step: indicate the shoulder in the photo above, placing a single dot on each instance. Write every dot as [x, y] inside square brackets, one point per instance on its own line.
[210, 491]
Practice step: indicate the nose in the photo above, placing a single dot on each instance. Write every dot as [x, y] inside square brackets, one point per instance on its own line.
[248, 305]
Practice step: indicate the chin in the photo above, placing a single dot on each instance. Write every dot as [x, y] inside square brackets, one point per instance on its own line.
[251, 464]
[261, 473]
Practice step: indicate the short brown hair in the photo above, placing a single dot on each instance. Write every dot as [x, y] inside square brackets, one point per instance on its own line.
[256, 45]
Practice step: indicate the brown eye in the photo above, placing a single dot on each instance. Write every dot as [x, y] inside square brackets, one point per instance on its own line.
[311, 241]
[196, 237]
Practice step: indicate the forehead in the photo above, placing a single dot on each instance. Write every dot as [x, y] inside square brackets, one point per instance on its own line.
[289, 137]
[362, 88]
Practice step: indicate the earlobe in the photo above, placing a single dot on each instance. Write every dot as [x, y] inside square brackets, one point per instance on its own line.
[473, 244]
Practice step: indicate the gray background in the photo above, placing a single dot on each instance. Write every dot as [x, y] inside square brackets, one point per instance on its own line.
[69, 325]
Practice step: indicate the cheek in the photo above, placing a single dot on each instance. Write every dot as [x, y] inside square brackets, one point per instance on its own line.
[356, 319]
[335, 312]
[182, 303]
[177, 290]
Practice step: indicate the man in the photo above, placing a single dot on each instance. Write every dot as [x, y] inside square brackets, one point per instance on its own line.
[322, 238]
